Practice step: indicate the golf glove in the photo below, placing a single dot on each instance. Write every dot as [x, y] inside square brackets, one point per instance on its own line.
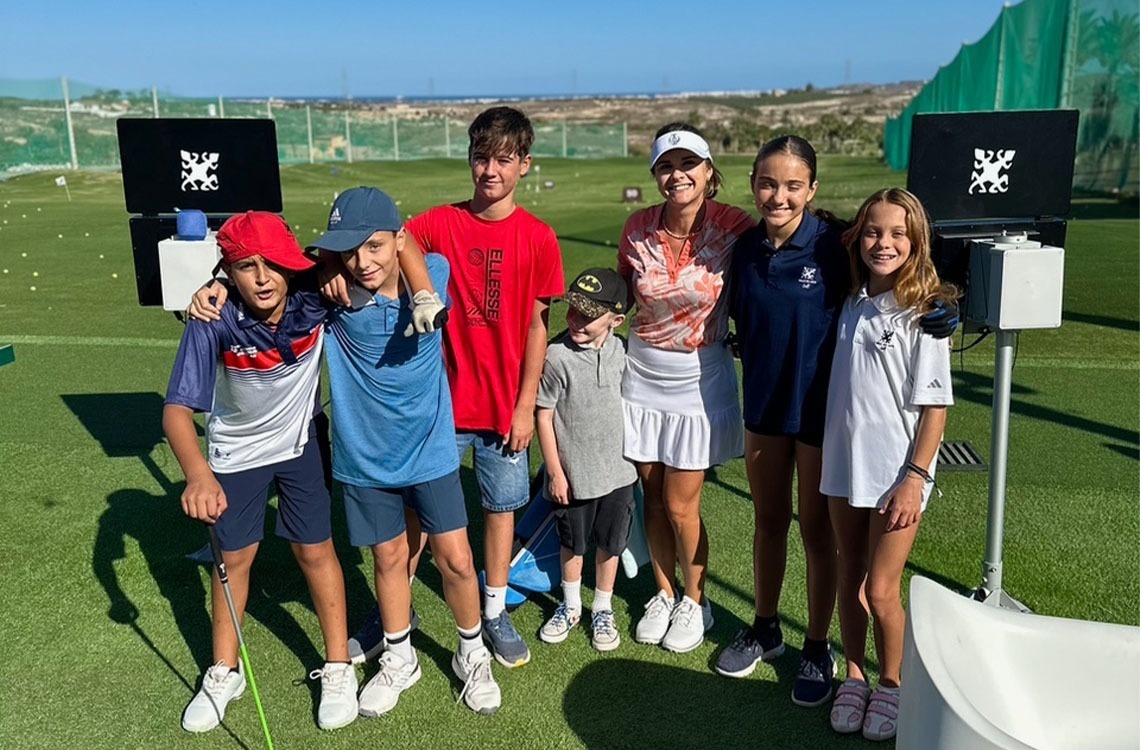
[428, 313]
[942, 321]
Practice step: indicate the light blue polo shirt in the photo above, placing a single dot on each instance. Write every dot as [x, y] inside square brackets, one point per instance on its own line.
[391, 405]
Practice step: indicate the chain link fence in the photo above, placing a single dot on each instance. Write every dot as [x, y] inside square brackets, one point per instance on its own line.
[56, 124]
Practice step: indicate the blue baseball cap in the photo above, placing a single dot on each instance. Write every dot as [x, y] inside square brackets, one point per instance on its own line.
[356, 214]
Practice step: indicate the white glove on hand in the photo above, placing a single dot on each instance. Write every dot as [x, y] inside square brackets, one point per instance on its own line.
[426, 307]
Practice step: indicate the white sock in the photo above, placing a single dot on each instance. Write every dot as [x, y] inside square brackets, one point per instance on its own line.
[469, 640]
[572, 595]
[603, 600]
[494, 601]
[400, 644]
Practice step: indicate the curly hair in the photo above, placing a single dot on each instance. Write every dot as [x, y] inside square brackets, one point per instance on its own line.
[917, 285]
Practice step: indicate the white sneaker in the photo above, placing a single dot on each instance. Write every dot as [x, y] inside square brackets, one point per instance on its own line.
[604, 635]
[338, 706]
[687, 626]
[560, 624]
[207, 708]
[380, 694]
[654, 623]
[480, 691]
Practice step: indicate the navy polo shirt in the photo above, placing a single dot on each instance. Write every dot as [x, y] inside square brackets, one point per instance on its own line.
[785, 304]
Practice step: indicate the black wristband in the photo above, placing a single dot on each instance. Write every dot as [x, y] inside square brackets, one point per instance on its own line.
[926, 477]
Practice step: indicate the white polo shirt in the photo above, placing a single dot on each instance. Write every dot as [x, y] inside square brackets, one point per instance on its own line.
[885, 371]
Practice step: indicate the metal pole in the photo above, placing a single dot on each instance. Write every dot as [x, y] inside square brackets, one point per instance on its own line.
[269, 108]
[447, 137]
[309, 125]
[154, 100]
[221, 107]
[347, 138]
[70, 126]
[991, 592]
[396, 137]
[563, 139]
[624, 140]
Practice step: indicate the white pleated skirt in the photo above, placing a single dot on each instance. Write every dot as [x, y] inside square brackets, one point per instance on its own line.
[681, 408]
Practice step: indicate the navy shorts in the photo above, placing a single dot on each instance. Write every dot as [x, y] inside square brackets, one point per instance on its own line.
[812, 436]
[604, 522]
[376, 515]
[303, 503]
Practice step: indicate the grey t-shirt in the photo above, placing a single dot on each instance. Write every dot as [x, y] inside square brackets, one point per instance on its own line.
[583, 387]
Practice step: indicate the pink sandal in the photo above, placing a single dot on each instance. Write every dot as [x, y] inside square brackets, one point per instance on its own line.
[850, 706]
[882, 720]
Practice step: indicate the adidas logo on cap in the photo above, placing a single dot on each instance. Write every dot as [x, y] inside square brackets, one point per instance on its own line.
[334, 218]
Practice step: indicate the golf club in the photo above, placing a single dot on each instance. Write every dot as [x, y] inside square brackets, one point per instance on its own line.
[220, 564]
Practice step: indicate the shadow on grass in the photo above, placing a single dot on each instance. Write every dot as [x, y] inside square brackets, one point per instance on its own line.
[623, 703]
[978, 389]
[1091, 209]
[1101, 320]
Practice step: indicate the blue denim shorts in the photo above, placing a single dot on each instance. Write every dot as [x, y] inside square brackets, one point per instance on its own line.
[504, 477]
[376, 515]
[303, 503]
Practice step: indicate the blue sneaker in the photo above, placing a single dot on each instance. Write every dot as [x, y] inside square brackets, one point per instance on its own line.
[813, 681]
[367, 642]
[506, 645]
[748, 649]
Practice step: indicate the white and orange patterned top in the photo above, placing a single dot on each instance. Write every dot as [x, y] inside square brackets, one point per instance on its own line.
[681, 301]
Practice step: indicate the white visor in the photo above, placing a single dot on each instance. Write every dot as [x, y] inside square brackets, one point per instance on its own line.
[679, 139]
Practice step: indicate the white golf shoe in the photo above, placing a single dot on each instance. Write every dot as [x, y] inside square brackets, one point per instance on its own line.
[338, 706]
[381, 693]
[207, 708]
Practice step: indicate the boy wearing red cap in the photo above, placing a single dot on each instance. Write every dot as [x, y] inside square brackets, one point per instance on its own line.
[257, 372]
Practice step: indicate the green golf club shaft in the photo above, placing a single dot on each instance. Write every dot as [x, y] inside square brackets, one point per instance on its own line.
[223, 577]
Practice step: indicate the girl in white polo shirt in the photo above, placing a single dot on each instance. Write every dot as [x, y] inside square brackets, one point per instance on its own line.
[886, 412]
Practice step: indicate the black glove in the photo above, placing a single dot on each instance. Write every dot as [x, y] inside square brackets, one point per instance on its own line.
[942, 321]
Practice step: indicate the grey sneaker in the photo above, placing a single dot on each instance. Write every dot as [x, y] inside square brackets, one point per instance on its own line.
[207, 708]
[747, 650]
[369, 640]
[380, 694]
[687, 626]
[338, 707]
[507, 646]
[605, 636]
[654, 623]
[560, 624]
[480, 691]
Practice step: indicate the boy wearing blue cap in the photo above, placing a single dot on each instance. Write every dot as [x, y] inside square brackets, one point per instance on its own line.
[393, 447]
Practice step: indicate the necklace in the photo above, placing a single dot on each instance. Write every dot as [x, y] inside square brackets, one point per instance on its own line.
[676, 236]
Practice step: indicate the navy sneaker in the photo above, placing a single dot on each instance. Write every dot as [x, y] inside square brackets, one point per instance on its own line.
[506, 645]
[748, 649]
[369, 640]
[813, 685]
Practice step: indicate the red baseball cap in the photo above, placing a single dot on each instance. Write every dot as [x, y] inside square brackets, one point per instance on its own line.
[265, 234]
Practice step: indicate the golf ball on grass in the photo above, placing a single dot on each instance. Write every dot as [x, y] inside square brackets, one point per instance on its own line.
[32, 288]
[35, 273]
[114, 276]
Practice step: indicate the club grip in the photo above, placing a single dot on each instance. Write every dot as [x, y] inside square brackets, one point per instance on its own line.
[216, 549]
[440, 319]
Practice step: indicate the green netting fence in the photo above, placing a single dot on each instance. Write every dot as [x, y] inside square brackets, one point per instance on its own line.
[56, 124]
[1050, 54]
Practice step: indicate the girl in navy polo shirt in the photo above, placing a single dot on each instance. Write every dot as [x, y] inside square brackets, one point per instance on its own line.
[791, 275]
[886, 412]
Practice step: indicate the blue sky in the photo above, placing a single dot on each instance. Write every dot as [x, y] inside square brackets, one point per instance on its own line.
[447, 47]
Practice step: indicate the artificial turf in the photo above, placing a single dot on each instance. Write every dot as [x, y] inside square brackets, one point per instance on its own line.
[105, 625]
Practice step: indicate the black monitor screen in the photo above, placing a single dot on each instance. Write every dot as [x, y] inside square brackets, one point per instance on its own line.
[214, 165]
[977, 165]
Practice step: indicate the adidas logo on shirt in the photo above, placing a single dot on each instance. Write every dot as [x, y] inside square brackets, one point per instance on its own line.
[335, 217]
[936, 383]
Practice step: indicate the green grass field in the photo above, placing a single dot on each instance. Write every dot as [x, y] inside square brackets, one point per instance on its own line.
[105, 624]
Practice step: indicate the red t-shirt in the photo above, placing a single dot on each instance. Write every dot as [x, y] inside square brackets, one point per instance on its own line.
[498, 270]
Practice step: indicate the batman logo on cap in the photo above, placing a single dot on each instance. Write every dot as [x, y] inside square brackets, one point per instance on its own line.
[589, 284]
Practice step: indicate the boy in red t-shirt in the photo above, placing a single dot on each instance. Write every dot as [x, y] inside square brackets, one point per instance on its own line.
[505, 269]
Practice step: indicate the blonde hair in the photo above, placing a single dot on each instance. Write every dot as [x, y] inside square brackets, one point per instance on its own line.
[917, 285]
